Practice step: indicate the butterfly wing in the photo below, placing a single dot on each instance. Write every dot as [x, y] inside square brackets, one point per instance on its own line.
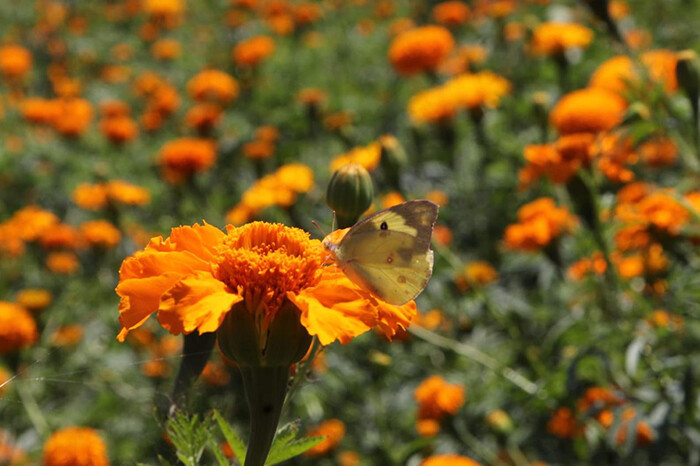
[389, 252]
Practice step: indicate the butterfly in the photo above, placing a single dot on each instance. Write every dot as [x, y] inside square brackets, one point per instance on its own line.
[388, 253]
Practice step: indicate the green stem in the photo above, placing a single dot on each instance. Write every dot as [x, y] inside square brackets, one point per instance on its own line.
[475, 355]
[265, 389]
[33, 410]
[302, 370]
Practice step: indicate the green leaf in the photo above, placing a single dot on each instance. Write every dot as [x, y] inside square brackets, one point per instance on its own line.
[284, 435]
[234, 441]
[292, 449]
[218, 453]
[162, 461]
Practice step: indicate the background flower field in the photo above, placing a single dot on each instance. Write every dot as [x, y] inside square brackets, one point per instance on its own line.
[560, 139]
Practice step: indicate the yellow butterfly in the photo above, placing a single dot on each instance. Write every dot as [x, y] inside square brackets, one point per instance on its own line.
[389, 253]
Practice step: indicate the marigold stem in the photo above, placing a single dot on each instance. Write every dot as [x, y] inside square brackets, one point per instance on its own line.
[265, 389]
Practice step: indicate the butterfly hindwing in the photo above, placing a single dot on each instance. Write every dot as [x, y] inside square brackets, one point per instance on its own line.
[389, 252]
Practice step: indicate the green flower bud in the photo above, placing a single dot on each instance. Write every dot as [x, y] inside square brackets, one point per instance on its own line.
[349, 194]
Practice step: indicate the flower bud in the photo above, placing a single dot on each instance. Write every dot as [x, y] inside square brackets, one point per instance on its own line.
[636, 112]
[349, 194]
[499, 421]
[688, 73]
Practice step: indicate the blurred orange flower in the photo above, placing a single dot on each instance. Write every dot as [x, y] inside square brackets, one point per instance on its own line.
[17, 328]
[420, 50]
[556, 38]
[539, 222]
[589, 110]
[64, 263]
[617, 73]
[449, 460]
[214, 86]
[333, 430]
[75, 446]
[250, 52]
[181, 158]
[451, 13]
[437, 399]
[15, 61]
[100, 233]
[34, 299]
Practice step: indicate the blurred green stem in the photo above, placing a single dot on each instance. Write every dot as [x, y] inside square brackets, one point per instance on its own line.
[474, 354]
[32, 408]
[302, 370]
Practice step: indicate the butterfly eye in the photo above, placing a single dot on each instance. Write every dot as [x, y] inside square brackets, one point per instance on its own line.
[383, 226]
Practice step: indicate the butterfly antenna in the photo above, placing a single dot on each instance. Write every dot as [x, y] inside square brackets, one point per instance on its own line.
[313, 222]
[333, 222]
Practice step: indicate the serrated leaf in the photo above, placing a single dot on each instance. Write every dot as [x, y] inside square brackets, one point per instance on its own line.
[285, 435]
[234, 441]
[293, 449]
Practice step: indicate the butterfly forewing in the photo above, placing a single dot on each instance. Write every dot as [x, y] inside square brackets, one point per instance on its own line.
[389, 252]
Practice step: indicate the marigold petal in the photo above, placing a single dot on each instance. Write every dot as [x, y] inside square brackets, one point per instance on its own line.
[390, 317]
[198, 302]
[140, 297]
[335, 309]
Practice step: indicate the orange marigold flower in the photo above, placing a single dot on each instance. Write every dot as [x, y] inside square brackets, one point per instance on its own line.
[15, 61]
[664, 319]
[597, 397]
[392, 199]
[476, 274]
[76, 446]
[437, 399]
[427, 427]
[589, 110]
[617, 73]
[333, 430]
[618, 9]
[449, 460]
[631, 237]
[10, 453]
[267, 133]
[32, 221]
[663, 211]
[556, 38]
[249, 53]
[213, 85]
[121, 192]
[60, 236]
[75, 116]
[67, 335]
[348, 458]
[539, 222]
[476, 90]
[193, 278]
[258, 150]
[306, 12]
[166, 49]
[119, 129]
[17, 328]
[595, 264]
[64, 263]
[114, 108]
[563, 424]
[451, 13]
[38, 110]
[615, 153]
[215, 374]
[34, 299]
[435, 105]
[312, 96]
[367, 156]
[420, 50]
[203, 116]
[100, 233]
[659, 152]
[182, 158]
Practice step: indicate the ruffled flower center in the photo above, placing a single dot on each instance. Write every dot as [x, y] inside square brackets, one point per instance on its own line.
[263, 262]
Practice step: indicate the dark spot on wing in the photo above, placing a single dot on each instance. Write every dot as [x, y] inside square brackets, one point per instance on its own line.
[406, 254]
[390, 259]
[384, 226]
[401, 279]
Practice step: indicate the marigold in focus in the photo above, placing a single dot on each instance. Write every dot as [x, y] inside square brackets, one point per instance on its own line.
[193, 279]
[589, 110]
[539, 223]
[249, 53]
[557, 38]
[437, 399]
[181, 158]
[420, 50]
[75, 446]
[333, 430]
[17, 328]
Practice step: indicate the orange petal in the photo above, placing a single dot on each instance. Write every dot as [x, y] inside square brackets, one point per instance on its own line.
[150, 263]
[200, 240]
[334, 309]
[140, 297]
[391, 317]
[198, 302]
